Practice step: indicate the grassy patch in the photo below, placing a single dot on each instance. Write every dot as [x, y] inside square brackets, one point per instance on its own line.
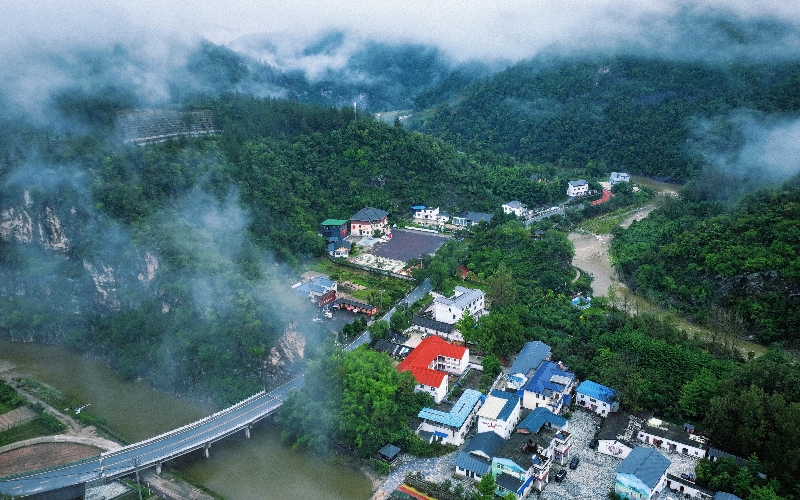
[603, 224]
[9, 399]
[43, 425]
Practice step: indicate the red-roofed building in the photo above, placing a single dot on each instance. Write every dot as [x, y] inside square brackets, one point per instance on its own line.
[431, 361]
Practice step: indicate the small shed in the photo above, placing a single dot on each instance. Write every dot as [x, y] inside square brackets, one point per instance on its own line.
[389, 453]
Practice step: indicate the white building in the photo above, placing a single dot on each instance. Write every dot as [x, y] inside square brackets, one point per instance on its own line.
[450, 310]
[429, 214]
[577, 188]
[617, 177]
[499, 414]
[597, 398]
[672, 438]
[450, 427]
[514, 207]
[431, 362]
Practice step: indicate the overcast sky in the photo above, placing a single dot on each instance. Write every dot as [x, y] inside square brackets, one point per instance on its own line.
[507, 29]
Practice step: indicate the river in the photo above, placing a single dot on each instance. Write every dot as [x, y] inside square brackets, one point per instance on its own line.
[238, 468]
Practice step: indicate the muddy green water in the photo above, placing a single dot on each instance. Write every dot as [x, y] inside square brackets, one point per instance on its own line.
[238, 468]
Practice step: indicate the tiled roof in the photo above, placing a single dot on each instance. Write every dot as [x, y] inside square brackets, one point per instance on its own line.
[721, 495]
[389, 451]
[538, 417]
[530, 357]
[461, 298]
[419, 360]
[370, 214]
[647, 464]
[458, 414]
[432, 324]
[597, 391]
[579, 182]
[514, 204]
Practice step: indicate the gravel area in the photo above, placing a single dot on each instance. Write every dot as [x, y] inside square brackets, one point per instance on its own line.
[594, 477]
[592, 480]
[106, 491]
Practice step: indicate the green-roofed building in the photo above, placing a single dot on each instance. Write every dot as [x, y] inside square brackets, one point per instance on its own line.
[334, 228]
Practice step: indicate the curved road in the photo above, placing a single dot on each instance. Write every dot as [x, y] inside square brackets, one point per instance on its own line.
[156, 450]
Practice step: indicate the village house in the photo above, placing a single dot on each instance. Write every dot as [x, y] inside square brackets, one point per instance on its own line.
[500, 413]
[428, 326]
[518, 466]
[550, 387]
[686, 487]
[369, 222]
[617, 177]
[526, 363]
[641, 475]
[469, 219]
[577, 188]
[450, 310]
[319, 289]
[333, 229]
[551, 431]
[475, 460]
[450, 427]
[431, 362]
[596, 397]
[429, 214]
[618, 435]
[514, 207]
[355, 306]
[672, 438]
[339, 248]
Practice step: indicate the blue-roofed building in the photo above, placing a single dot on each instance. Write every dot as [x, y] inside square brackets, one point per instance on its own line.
[451, 427]
[475, 459]
[550, 432]
[500, 413]
[528, 360]
[597, 397]
[642, 474]
[550, 387]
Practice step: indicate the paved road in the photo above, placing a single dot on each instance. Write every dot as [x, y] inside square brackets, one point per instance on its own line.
[413, 296]
[154, 451]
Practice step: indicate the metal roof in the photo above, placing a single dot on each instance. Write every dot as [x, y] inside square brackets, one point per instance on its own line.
[458, 414]
[499, 405]
[333, 222]
[470, 462]
[549, 377]
[597, 391]
[530, 357]
[647, 464]
[538, 417]
[484, 443]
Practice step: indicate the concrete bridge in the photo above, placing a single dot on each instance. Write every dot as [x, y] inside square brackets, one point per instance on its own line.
[69, 482]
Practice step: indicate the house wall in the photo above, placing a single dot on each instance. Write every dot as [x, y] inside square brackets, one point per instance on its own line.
[438, 393]
[532, 400]
[686, 490]
[600, 407]
[367, 228]
[613, 448]
[503, 428]
[671, 446]
[469, 474]
[577, 190]
[629, 486]
[454, 436]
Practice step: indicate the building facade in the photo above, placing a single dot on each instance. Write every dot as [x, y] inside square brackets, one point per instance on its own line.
[450, 310]
[370, 222]
[577, 188]
[597, 398]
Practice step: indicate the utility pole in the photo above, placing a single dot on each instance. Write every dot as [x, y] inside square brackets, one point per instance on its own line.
[136, 469]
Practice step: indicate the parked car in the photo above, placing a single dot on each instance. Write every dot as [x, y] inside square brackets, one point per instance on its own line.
[561, 474]
[594, 443]
[688, 477]
[574, 463]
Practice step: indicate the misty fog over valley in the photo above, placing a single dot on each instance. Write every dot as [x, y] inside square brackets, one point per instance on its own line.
[164, 174]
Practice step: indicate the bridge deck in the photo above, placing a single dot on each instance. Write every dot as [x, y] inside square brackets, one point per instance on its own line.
[156, 450]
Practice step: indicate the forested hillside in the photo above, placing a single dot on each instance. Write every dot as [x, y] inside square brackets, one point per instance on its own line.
[703, 259]
[605, 113]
